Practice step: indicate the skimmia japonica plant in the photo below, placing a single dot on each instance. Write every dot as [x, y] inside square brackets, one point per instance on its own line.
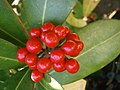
[45, 44]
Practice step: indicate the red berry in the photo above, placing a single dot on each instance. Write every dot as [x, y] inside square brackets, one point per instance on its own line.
[57, 56]
[31, 59]
[42, 36]
[67, 30]
[36, 76]
[21, 54]
[35, 32]
[60, 31]
[59, 67]
[47, 27]
[44, 65]
[33, 45]
[69, 47]
[51, 40]
[33, 67]
[73, 36]
[72, 66]
[80, 45]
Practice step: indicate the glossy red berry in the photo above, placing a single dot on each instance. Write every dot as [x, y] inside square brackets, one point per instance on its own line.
[47, 27]
[35, 32]
[69, 47]
[42, 36]
[31, 59]
[21, 54]
[72, 66]
[72, 36]
[57, 56]
[80, 45]
[33, 45]
[51, 40]
[59, 67]
[44, 65]
[67, 30]
[60, 31]
[33, 67]
[36, 76]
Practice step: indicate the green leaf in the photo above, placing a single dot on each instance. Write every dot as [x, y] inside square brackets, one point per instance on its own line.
[8, 55]
[48, 83]
[89, 6]
[102, 45]
[20, 81]
[4, 75]
[78, 10]
[11, 25]
[36, 12]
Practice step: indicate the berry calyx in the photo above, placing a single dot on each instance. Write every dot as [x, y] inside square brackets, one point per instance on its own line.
[36, 76]
[72, 66]
[33, 45]
[69, 47]
[44, 65]
[47, 27]
[57, 56]
[59, 67]
[51, 40]
[21, 54]
[35, 32]
[31, 59]
[73, 36]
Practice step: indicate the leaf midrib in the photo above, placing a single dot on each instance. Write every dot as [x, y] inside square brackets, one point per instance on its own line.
[21, 79]
[98, 44]
[44, 10]
[9, 59]
[12, 36]
[94, 47]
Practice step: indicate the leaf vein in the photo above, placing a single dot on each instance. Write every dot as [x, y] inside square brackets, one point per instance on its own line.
[21, 80]
[44, 10]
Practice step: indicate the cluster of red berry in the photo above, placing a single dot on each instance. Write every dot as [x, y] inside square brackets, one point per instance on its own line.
[40, 59]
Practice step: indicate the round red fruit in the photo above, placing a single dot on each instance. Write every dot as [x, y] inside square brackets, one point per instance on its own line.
[80, 45]
[72, 66]
[51, 40]
[42, 36]
[35, 32]
[31, 59]
[69, 47]
[36, 76]
[59, 67]
[44, 65]
[67, 29]
[21, 54]
[33, 67]
[47, 27]
[72, 36]
[33, 45]
[57, 56]
[60, 31]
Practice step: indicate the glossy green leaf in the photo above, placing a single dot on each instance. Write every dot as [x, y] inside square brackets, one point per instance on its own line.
[4, 75]
[102, 45]
[89, 6]
[8, 55]
[36, 12]
[11, 25]
[19, 81]
[48, 83]
[78, 10]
